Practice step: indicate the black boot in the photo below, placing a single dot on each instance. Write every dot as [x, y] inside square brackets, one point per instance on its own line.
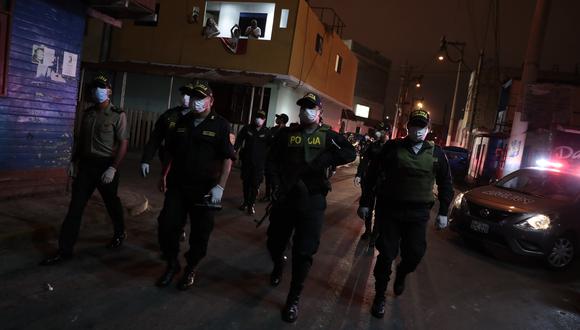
[399, 285]
[117, 241]
[172, 269]
[378, 308]
[58, 258]
[187, 280]
[276, 275]
[290, 311]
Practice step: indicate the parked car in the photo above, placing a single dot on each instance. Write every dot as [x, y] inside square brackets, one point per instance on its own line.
[532, 211]
[458, 161]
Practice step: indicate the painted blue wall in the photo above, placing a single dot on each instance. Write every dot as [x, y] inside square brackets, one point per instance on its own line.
[37, 114]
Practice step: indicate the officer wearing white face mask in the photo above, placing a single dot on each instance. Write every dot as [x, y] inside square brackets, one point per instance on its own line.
[405, 172]
[163, 128]
[300, 157]
[96, 156]
[252, 142]
[370, 153]
[194, 176]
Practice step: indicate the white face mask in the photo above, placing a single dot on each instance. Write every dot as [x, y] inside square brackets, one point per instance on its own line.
[418, 134]
[309, 116]
[378, 135]
[185, 100]
[101, 95]
[259, 122]
[199, 105]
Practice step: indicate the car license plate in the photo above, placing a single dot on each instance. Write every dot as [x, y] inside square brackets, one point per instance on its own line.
[479, 227]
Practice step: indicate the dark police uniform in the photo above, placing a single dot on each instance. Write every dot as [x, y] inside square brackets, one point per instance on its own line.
[404, 198]
[370, 153]
[100, 133]
[197, 155]
[254, 147]
[164, 126]
[299, 163]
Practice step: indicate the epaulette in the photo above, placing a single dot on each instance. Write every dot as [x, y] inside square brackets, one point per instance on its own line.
[324, 128]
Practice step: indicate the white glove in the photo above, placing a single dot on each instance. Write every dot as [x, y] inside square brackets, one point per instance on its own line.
[357, 181]
[72, 170]
[144, 170]
[109, 175]
[216, 194]
[363, 212]
[441, 222]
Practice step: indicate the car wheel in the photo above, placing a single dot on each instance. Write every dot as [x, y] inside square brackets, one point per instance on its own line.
[562, 253]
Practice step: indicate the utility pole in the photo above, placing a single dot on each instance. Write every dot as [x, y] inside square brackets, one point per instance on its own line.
[474, 100]
[519, 129]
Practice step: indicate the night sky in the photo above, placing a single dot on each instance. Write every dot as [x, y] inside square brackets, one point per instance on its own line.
[410, 30]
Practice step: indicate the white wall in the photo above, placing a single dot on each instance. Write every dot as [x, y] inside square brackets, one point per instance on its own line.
[230, 15]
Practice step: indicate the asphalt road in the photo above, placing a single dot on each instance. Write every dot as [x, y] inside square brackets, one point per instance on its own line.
[455, 287]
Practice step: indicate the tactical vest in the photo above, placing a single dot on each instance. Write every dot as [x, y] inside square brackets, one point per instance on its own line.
[305, 147]
[413, 177]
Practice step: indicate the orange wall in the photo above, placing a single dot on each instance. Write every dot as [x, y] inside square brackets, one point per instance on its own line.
[316, 69]
[175, 41]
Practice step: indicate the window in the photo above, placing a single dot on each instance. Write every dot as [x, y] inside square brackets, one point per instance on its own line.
[338, 64]
[319, 43]
[362, 110]
[284, 18]
[5, 12]
[253, 19]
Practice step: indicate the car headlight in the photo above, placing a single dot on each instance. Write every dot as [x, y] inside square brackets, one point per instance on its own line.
[537, 222]
[458, 200]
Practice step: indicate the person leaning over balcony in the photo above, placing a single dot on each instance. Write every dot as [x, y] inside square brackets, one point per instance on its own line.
[404, 174]
[195, 172]
[94, 163]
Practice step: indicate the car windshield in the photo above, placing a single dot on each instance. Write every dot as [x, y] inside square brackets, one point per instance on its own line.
[548, 184]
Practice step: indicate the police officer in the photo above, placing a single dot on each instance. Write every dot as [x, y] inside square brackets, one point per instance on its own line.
[281, 121]
[194, 176]
[94, 163]
[301, 156]
[253, 141]
[163, 127]
[405, 170]
[381, 136]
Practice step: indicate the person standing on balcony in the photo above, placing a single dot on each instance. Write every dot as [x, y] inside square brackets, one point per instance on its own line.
[94, 165]
[195, 172]
[253, 31]
[252, 142]
[405, 172]
[300, 157]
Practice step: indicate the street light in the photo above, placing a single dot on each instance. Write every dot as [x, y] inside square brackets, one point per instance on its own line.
[419, 105]
[444, 54]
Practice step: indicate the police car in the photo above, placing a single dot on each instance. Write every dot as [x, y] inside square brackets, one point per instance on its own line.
[532, 211]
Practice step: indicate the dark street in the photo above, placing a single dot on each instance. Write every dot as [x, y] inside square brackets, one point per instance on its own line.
[455, 287]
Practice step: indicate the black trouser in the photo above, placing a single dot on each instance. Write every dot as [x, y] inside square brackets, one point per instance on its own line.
[251, 179]
[399, 227]
[304, 217]
[369, 218]
[88, 179]
[180, 202]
